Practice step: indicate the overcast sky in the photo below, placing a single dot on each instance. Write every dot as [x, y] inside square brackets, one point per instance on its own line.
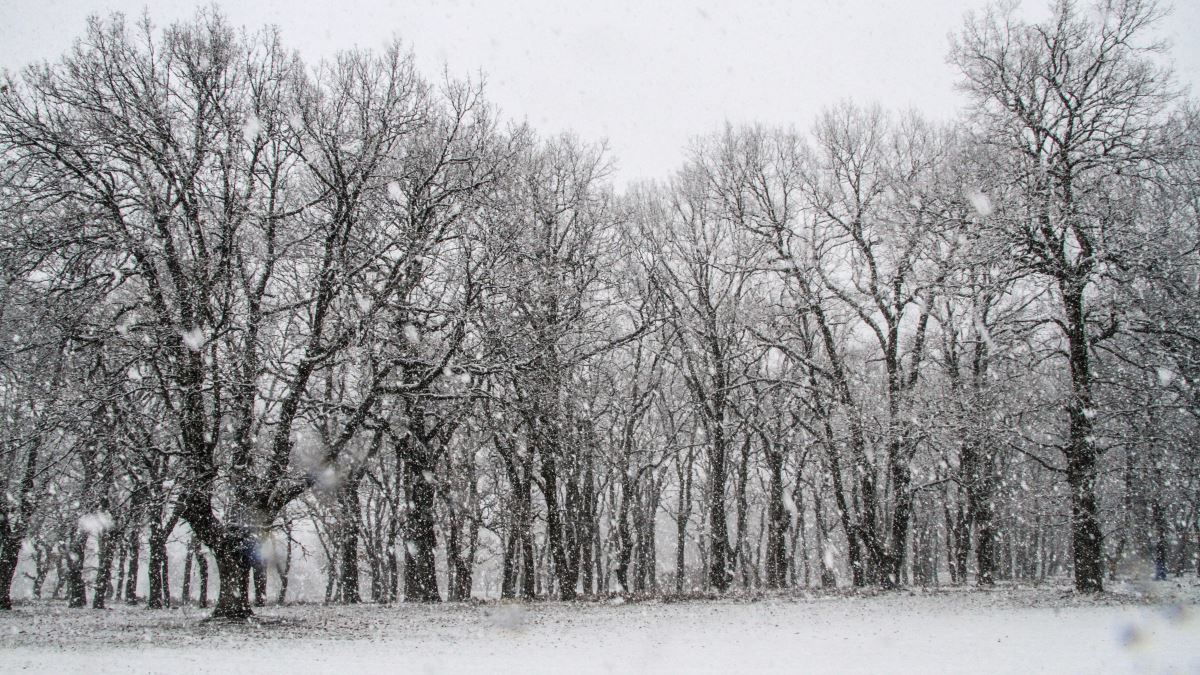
[645, 75]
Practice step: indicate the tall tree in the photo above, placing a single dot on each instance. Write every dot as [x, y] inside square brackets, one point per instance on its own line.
[1074, 103]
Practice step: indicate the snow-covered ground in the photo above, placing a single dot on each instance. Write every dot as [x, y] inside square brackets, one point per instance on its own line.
[1009, 630]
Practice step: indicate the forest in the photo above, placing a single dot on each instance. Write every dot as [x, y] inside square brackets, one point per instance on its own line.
[257, 312]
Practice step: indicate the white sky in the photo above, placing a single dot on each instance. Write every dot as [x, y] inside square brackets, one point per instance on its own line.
[646, 75]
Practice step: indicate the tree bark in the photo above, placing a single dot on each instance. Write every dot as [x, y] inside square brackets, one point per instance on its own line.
[1087, 538]
[131, 576]
[104, 563]
[185, 588]
[777, 521]
[202, 574]
[10, 548]
[156, 554]
[233, 556]
[718, 529]
[420, 573]
[348, 536]
[76, 588]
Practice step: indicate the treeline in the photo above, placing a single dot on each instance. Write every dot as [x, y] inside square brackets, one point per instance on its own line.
[245, 299]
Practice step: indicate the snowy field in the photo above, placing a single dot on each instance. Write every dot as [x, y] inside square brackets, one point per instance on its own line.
[1150, 629]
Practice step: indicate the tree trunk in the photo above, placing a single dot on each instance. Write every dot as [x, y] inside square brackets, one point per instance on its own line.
[742, 560]
[589, 530]
[118, 590]
[202, 572]
[76, 589]
[777, 522]
[156, 554]
[458, 587]
[559, 539]
[10, 548]
[131, 575]
[349, 533]
[718, 529]
[1160, 546]
[104, 563]
[529, 571]
[185, 589]
[510, 563]
[682, 515]
[624, 534]
[286, 569]
[420, 573]
[850, 524]
[233, 556]
[1086, 537]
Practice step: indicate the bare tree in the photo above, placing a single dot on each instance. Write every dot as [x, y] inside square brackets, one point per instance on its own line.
[1074, 103]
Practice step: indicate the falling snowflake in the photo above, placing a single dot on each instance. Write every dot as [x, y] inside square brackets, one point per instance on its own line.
[1165, 376]
[251, 128]
[411, 333]
[193, 339]
[789, 505]
[979, 202]
[95, 523]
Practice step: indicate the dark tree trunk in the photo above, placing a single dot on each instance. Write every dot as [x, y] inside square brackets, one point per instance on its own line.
[349, 534]
[828, 574]
[718, 529]
[420, 573]
[331, 577]
[850, 524]
[647, 548]
[1161, 547]
[513, 580]
[185, 589]
[202, 574]
[1086, 537]
[104, 563]
[118, 590]
[985, 553]
[682, 515]
[901, 478]
[510, 564]
[166, 578]
[76, 588]
[777, 521]
[392, 561]
[572, 528]
[528, 589]
[741, 561]
[233, 556]
[10, 548]
[589, 531]
[458, 561]
[131, 575]
[557, 536]
[624, 535]
[156, 557]
[41, 573]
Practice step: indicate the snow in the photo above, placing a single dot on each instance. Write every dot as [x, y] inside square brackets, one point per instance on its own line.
[411, 333]
[95, 523]
[251, 129]
[1022, 630]
[395, 192]
[980, 203]
[193, 338]
[1165, 376]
